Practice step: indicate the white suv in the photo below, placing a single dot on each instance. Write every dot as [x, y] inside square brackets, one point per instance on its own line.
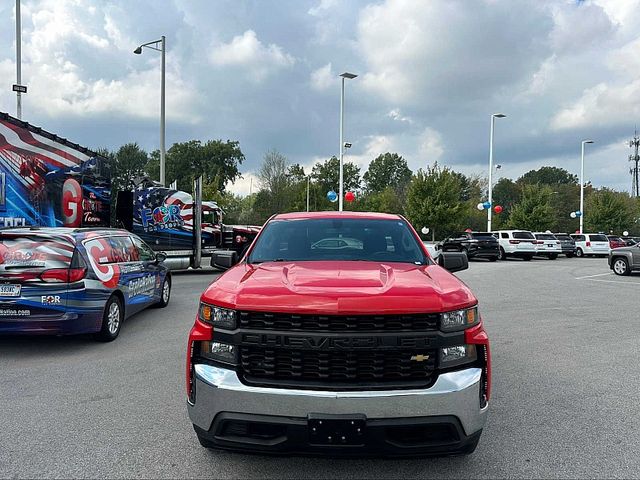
[547, 245]
[591, 244]
[516, 243]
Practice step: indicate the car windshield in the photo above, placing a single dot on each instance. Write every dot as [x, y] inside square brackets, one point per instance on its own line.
[615, 239]
[34, 251]
[545, 236]
[342, 239]
[599, 238]
[523, 235]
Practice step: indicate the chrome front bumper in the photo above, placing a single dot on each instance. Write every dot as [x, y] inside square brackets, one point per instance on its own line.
[220, 390]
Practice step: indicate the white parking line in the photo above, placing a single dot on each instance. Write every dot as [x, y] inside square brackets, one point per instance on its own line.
[612, 281]
[596, 275]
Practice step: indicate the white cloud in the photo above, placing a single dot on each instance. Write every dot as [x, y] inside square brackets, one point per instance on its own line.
[431, 147]
[322, 7]
[323, 78]
[248, 52]
[244, 186]
[396, 115]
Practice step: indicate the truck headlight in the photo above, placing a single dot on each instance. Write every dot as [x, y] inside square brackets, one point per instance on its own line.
[218, 317]
[459, 319]
[220, 352]
[458, 355]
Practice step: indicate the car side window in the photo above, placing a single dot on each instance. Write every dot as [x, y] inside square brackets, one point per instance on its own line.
[504, 235]
[122, 250]
[145, 253]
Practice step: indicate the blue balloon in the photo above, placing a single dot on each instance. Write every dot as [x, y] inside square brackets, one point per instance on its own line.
[486, 204]
[578, 213]
[332, 196]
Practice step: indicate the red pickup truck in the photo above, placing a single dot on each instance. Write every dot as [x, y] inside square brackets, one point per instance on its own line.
[337, 333]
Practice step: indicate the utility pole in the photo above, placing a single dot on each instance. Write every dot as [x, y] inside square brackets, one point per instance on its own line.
[635, 160]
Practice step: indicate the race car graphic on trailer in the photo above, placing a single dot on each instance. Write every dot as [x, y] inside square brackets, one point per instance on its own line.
[48, 181]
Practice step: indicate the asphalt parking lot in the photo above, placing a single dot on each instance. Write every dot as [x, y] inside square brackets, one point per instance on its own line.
[564, 341]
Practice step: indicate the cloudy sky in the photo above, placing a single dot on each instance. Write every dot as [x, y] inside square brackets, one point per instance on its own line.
[266, 73]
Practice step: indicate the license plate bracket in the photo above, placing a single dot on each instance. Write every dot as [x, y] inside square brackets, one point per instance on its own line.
[336, 430]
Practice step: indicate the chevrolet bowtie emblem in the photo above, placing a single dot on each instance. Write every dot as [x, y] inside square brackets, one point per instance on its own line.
[419, 358]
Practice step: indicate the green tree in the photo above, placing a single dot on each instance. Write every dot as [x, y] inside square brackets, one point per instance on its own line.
[387, 170]
[386, 201]
[275, 184]
[609, 211]
[534, 210]
[327, 175]
[548, 176]
[506, 193]
[433, 201]
[215, 160]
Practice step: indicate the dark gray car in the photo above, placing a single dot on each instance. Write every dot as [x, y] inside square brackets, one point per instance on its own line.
[624, 260]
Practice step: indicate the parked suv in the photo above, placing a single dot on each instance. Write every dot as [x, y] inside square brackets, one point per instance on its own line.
[474, 244]
[547, 245]
[62, 281]
[591, 244]
[369, 348]
[567, 244]
[516, 243]
[624, 260]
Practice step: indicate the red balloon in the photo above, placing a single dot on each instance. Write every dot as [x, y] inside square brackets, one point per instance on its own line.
[468, 230]
[497, 209]
[349, 196]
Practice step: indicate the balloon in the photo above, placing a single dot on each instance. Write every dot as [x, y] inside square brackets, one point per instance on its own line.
[349, 197]
[578, 213]
[486, 204]
[480, 206]
[572, 214]
[497, 209]
[424, 230]
[625, 233]
[468, 230]
[578, 231]
[332, 196]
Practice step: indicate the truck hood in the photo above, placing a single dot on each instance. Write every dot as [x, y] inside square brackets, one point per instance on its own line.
[347, 288]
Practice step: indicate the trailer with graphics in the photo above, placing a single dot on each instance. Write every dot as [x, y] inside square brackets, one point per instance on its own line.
[48, 181]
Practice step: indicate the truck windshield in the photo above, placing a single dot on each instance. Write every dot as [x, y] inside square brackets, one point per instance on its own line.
[342, 239]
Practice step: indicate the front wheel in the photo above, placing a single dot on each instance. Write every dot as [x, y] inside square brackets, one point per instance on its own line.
[579, 253]
[165, 293]
[501, 254]
[621, 266]
[111, 320]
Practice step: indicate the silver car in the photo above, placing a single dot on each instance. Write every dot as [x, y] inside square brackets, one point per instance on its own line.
[624, 260]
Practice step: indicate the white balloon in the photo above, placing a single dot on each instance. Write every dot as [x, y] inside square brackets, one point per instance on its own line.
[625, 233]
[572, 214]
[480, 206]
[425, 230]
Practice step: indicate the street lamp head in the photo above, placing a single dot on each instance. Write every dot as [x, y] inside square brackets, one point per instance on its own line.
[348, 75]
[499, 115]
[138, 50]
[347, 144]
[587, 141]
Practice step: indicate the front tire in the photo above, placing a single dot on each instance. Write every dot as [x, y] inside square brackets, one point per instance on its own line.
[579, 253]
[501, 254]
[112, 319]
[621, 266]
[165, 292]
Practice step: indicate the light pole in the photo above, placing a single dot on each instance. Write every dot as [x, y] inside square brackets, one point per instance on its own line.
[308, 185]
[160, 46]
[582, 184]
[18, 60]
[350, 76]
[490, 209]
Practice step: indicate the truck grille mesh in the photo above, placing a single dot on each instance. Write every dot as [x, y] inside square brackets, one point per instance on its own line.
[338, 323]
[337, 368]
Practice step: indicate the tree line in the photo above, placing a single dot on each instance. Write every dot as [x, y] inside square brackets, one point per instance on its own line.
[436, 197]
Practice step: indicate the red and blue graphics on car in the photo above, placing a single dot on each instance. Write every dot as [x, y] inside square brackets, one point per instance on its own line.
[58, 280]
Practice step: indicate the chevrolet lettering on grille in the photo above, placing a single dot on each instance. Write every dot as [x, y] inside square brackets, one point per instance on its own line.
[333, 343]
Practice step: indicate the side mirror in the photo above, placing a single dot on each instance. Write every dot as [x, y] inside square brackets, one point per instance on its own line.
[453, 261]
[224, 259]
[161, 257]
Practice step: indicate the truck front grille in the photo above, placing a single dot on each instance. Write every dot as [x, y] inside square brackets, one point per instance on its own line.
[336, 369]
[339, 323]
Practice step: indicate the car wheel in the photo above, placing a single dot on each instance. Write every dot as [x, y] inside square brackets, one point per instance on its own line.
[165, 293]
[621, 266]
[553, 256]
[111, 320]
[501, 254]
[579, 253]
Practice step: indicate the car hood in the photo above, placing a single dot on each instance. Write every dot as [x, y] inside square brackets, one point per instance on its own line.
[339, 288]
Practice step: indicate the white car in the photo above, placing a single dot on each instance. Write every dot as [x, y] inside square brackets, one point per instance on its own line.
[547, 245]
[591, 244]
[516, 243]
[432, 249]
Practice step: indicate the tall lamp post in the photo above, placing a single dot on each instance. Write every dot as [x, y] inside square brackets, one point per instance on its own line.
[350, 76]
[18, 60]
[490, 209]
[160, 46]
[582, 184]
